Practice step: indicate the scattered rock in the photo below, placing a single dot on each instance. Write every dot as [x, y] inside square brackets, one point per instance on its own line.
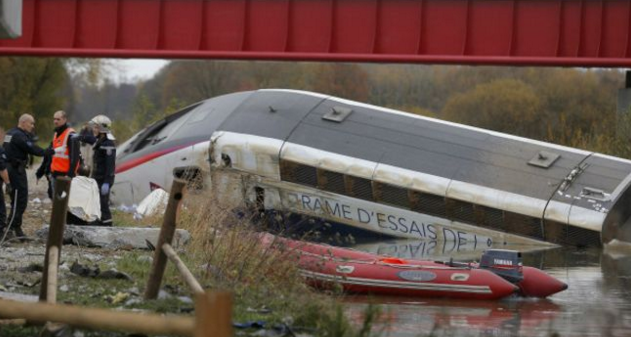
[29, 284]
[84, 271]
[163, 295]
[64, 267]
[185, 299]
[64, 288]
[31, 268]
[114, 274]
[132, 301]
[145, 259]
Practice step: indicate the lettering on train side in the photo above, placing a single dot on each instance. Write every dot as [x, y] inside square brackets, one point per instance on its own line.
[384, 221]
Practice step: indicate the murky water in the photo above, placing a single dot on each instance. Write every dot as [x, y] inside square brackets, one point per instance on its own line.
[597, 302]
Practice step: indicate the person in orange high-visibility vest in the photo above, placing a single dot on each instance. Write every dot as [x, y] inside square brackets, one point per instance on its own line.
[65, 160]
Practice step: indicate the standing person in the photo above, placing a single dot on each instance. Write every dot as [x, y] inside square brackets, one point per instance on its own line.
[4, 178]
[104, 164]
[66, 153]
[65, 160]
[18, 144]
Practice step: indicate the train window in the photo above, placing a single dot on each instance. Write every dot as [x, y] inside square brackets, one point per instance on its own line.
[200, 115]
[159, 130]
[392, 195]
[331, 181]
[460, 210]
[359, 188]
[298, 173]
[428, 203]
[561, 233]
[523, 224]
[555, 232]
[490, 217]
[582, 237]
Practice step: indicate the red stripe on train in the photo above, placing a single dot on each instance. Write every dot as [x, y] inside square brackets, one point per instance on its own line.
[130, 164]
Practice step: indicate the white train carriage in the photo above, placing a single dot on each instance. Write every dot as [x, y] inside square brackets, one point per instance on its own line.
[381, 171]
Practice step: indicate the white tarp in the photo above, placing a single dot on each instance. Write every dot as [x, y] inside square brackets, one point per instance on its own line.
[155, 202]
[84, 200]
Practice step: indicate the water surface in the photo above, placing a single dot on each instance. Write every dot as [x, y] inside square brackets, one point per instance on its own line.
[597, 302]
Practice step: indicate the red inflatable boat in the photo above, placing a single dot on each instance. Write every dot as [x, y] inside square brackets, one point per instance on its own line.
[499, 274]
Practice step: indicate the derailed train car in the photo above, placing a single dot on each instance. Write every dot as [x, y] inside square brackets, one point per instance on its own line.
[381, 171]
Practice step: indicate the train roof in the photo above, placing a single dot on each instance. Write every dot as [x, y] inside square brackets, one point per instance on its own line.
[435, 147]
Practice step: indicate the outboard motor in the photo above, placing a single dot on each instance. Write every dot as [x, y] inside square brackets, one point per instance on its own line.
[503, 262]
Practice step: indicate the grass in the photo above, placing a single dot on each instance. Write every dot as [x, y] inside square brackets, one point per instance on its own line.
[266, 284]
[224, 254]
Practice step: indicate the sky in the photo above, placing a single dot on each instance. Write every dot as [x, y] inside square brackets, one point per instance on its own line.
[134, 70]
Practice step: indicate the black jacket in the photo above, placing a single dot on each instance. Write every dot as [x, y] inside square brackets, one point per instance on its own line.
[18, 144]
[104, 160]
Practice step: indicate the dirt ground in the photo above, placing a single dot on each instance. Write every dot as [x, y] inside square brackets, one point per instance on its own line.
[16, 257]
[39, 205]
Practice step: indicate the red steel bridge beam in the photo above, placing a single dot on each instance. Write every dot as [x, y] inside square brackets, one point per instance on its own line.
[590, 33]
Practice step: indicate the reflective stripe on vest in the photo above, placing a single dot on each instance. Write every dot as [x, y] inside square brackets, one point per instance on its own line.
[61, 158]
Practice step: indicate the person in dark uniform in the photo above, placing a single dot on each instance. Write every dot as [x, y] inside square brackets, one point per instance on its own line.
[44, 171]
[104, 161]
[4, 178]
[18, 144]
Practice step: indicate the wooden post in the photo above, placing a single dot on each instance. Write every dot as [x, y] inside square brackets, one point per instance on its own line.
[53, 267]
[213, 314]
[166, 236]
[99, 319]
[56, 230]
[181, 267]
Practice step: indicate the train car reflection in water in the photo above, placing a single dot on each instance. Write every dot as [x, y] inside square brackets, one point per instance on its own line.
[437, 250]
[439, 317]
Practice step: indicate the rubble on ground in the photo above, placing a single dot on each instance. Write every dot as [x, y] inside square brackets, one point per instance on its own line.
[115, 237]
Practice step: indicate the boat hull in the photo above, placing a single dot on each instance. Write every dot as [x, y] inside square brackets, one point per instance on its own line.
[354, 271]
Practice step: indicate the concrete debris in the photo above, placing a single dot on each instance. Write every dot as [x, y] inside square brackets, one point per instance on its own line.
[18, 297]
[114, 237]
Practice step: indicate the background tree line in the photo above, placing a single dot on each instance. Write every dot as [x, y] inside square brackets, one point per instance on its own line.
[573, 107]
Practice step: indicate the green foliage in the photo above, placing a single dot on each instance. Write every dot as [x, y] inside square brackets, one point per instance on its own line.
[31, 85]
[504, 105]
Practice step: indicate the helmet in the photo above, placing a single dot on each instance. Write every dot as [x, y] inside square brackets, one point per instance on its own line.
[103, 122]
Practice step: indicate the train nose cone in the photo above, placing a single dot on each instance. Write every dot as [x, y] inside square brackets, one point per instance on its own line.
[537, 283]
